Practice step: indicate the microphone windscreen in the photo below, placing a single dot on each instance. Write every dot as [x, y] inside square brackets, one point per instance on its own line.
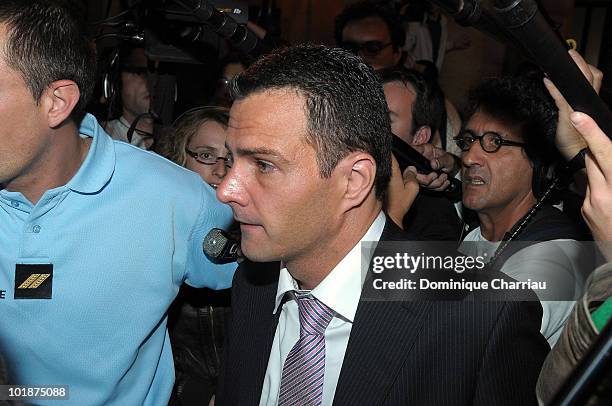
[214, 243]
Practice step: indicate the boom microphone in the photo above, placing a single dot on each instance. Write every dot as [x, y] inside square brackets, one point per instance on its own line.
[523, 19]
[219, 247]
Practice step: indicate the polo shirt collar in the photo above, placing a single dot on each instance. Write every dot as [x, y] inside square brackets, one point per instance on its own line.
[99, 165]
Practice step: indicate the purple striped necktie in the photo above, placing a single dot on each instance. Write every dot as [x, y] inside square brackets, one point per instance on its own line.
[304, 369]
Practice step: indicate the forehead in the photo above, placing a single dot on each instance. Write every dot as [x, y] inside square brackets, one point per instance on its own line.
[271, 118]
[232, 69]
[4, 32]
[399, 92]
[481, 122]
[210, 133]
[8, 76]
[136, 58]
[372, 28]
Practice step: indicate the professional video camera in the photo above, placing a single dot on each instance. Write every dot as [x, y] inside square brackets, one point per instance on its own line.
[183, 31]
[197, 31]
[175, 34]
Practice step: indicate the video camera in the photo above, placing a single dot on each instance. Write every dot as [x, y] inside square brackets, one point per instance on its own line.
[182, 31]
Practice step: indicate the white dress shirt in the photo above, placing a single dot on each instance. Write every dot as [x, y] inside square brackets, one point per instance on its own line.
[340, 291]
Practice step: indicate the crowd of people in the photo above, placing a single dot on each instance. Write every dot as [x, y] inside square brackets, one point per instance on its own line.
[105, 289]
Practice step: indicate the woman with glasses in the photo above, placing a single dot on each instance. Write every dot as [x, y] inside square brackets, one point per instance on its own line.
[197, 317]
[198, 142]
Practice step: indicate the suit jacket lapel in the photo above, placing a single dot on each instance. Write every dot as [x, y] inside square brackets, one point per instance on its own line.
[383, 334]
[263, 278]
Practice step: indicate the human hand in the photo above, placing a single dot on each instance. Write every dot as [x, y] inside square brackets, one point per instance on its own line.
[440, 160]
[597, 206]
[567, 139]
[403, 189]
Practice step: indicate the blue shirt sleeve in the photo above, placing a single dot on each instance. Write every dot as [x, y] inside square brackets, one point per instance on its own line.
[200, 271]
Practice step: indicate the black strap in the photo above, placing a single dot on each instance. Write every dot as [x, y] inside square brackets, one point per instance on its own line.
[547, 224]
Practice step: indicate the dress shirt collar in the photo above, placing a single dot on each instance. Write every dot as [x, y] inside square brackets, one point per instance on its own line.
[341, 288]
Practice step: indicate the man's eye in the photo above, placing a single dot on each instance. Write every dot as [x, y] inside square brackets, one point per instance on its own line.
[229, 162]
[263, 166]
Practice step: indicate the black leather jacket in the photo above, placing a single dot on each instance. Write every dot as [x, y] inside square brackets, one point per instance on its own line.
[197, 322]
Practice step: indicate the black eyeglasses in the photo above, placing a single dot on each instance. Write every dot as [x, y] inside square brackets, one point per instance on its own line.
[368, 48]
[490, 141]
[207, 158]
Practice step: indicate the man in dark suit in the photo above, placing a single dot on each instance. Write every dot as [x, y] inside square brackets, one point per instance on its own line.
[309, 137]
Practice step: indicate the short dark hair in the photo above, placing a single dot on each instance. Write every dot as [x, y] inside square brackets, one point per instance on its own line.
[428, 108]
[344, 102]
[522, 103]
[47, 42]
[366, 9]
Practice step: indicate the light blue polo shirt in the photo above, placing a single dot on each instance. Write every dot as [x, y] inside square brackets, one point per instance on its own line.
[122, 236]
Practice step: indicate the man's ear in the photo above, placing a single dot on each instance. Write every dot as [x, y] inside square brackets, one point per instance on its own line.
[358, 173]
[422, 135]
[60, 98]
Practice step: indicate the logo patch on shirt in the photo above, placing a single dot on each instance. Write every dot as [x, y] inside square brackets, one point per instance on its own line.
[33, 281]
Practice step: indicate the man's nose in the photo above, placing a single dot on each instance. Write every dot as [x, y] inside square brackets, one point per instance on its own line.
[231, 190]
[474, 155]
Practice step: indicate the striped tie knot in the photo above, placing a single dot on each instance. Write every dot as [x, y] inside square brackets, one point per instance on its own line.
[314, 315]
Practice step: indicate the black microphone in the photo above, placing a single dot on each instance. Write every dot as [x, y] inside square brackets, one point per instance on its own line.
[527, 24]
[220, 247]
[407, 156]
[469, 13]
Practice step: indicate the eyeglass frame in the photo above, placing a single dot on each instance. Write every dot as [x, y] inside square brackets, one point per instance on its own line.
[357, 47]
[196, 156]
[459, 138]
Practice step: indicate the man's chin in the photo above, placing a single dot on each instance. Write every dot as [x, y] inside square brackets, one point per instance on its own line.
[473, 203]
[258, 253]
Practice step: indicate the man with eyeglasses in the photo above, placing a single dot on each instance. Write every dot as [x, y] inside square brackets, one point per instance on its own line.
[371, 31]
[507, 160]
